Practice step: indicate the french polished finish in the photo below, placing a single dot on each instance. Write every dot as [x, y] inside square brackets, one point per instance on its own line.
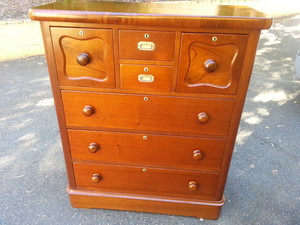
[209, 66]
[134, 148]
[146, 77]
[155, 113]
[152, 181]
[149, 97]
[84, 57]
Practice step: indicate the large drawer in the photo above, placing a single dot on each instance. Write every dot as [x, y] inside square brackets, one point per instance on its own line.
[147, 113]
[142, 180]
[147, 149]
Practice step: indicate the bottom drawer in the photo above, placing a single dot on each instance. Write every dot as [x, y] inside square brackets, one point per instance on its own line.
[146, 181]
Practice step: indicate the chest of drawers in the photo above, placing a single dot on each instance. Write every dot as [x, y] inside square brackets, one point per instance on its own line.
[149, 98]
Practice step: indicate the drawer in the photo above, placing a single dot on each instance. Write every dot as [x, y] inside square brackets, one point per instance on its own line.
[84, 57]
[211, 63]
[146, 77]
[146, 45]
[142, 180]
[142, 113]
[147, 149]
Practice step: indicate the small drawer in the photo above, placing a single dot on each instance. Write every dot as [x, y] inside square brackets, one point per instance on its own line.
[147, 149]
[84, 57]
[147, 113]
[146, 45]
[146, 77]
[211, 63]
[143, 180]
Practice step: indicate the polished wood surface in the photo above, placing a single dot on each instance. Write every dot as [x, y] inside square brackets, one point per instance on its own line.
[147, 149]
[149, 97]
[146, 181]
[161, 75]
[152, 204]
[153, 14]
[211, 63]
[163, 44]
[84, 57]
[156, 113]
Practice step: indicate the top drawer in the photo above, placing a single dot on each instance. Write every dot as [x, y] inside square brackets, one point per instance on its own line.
[84, 57]
[146, 45]
[211, 63]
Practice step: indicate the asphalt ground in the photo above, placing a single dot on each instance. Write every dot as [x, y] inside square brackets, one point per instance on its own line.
[263, 185]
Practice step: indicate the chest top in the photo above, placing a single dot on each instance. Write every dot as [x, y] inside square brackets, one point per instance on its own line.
[191, 15]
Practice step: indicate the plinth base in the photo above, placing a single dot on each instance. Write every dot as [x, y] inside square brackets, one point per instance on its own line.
[172, 206]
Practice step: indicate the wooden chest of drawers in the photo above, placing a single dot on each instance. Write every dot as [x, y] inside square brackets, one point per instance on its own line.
[149, 98]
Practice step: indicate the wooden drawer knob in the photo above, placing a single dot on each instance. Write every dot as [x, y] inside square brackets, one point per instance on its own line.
[210, 65]
[198, 155]
[93, 147]
[203, 117]
[193, 185]
[88, 110]
[83, 59]
[96, 178]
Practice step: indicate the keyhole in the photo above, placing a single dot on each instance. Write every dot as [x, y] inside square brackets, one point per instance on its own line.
[214, 38]
[146, 36]
[81, 33]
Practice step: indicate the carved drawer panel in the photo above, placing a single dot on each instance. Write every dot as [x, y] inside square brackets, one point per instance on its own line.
[146, 45]
[84, 57]
[147, 149]
[154, 113]
[146, 77]
[145, 180]
[211, 63]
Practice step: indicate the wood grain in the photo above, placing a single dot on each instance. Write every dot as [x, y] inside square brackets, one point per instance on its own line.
[147, 149]
[164, 45]
[70, 43]
[153, 14]
[152, 204]
[146, 181]
[162, 76]
[227, 51]
[156, 113]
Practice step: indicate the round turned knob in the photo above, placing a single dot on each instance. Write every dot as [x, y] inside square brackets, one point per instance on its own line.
[93, 147]
[198, 155]
[203, 117]
[88, 110]
[83, 59]
[193, 185]
[96, 178]
[210, 65]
